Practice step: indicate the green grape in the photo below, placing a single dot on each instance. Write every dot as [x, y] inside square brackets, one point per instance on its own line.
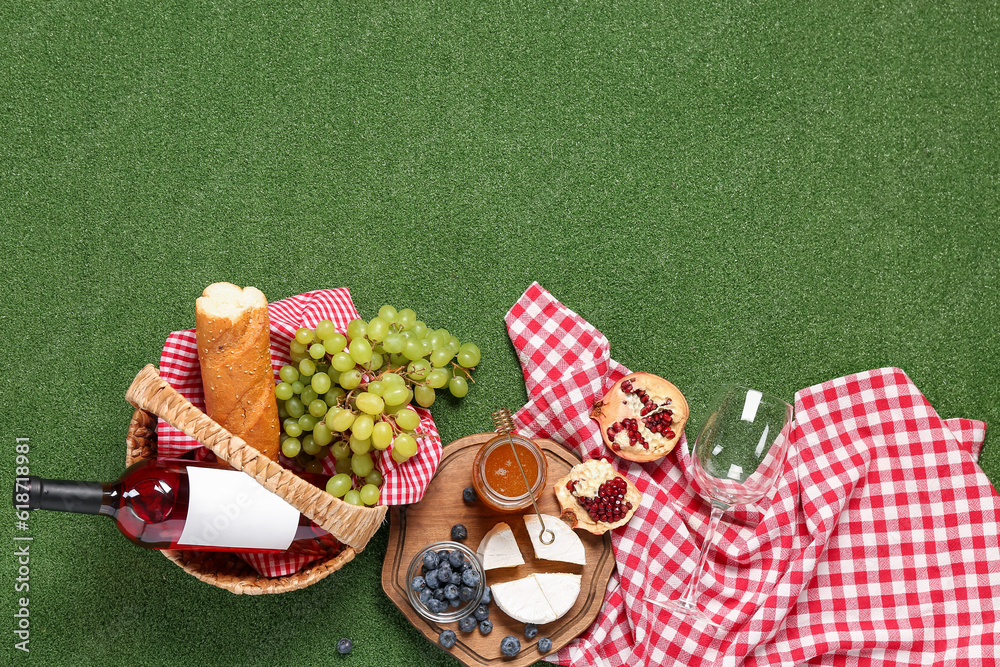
[352, 497]
[376, 387]
[333, 396]
[468, 355]
[403, 447]
[315, 467]
[378, 329]
[440, 357]
[288, 373]
[325, 329]
[292, 428]
[322, 453]
[425, 345]
[396, 360]
[396, 395]
[303, 459]
[340, 450]
[369, 494]
[342, 362]
[376, 361]
[307, 367]
[357, 328]
[317, 351]
[341, 420]
[393, 409]
[387, 313]
[382, 435]
[310, 446]
[437, 339]
[453, 344]
[335, 343]
[291, 447]
[406, 318]
[321, 383]
[297, 357]
[393, 380]
[370, 403]
[297, 387]
[359, 445]
[360, 350]
[308, 422]
[419, 329]
[437, 378]
[322, 434]
[338, 485]
[362, 464]
[282, 412]
[362, 428]
[424, 395]
[407, 419]
[296, 348]
[418, 369]
[393, 343]
[283, 391]
[458, 387]
[304, 336]
[343, 465]
[295, 407]
[317, 408]
[308, 395]
[374, 477]
[350, 379]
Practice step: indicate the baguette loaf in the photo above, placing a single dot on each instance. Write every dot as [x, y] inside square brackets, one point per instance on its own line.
[235, 355]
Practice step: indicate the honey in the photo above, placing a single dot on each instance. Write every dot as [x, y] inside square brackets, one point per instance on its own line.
[501, 473]
[498, 481]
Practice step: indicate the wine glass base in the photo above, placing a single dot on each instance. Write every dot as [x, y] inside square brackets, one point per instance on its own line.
[689, 610]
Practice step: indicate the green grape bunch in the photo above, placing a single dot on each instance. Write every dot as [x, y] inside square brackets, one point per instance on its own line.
[350, 395]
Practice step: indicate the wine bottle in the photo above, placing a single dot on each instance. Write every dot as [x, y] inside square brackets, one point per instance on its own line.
[181, 504]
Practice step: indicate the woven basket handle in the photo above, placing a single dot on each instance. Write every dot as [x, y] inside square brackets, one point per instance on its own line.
[352, 525]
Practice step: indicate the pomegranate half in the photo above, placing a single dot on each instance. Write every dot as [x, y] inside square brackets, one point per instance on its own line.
[596, 498]
[641, 417]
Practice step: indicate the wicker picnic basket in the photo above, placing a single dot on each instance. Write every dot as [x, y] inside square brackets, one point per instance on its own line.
[352, 525]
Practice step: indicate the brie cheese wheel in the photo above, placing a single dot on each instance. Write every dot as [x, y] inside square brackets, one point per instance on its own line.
[498, 548]
[566, 547]
[523, 600]
[560, 590]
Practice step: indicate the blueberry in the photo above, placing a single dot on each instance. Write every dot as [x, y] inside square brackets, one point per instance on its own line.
[431, 560]
[544, 644]
[530, 630]
[467, 624]
[344, 646]
[459, 532]
[447, 638]
[510, 646]
[486, 627]
[470, 578]
[443, 554]
[436, 606]
[481, 613]
[418, 583]
[469, 494]
[439, 594]
[444, 573]
[456, 559]
[451, 592]
[425, 595]
[456, 578]
[487, 596]
[455, 603]
[431, 579]
[466, 593]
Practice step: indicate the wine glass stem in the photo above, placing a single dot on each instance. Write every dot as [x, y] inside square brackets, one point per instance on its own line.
[688, 598]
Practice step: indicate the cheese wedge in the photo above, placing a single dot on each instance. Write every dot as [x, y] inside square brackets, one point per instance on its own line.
[498, 548]
[566, 547]
[523, 600]
[560, 590]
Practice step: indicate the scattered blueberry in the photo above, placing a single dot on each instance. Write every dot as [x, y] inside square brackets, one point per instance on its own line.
[486, 627]
[481, 613]
[451, 592]
[510, 646]
[344, 646]
[467, 624]
[431, 560]
[459, 532]
[456, 559]
[469, 494]
[470, 578]
[418, 583]
[431, 579]
[487, 596]
[466, 593]
[544, 644]
[447, 638]
[530, 630]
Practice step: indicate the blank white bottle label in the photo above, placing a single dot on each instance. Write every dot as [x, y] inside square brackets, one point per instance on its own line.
[227, 508]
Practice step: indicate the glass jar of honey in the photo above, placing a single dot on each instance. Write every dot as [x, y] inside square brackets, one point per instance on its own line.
[498, 481]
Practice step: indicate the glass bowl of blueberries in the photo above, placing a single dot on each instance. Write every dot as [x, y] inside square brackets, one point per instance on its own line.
[445, 581]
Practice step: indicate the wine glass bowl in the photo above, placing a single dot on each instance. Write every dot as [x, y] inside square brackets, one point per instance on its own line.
[737, 457]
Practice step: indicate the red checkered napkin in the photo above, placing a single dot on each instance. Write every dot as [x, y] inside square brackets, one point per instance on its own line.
[879, 544]
[404, 483]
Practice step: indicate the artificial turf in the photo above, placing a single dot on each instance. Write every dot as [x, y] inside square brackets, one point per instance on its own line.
[778, 193]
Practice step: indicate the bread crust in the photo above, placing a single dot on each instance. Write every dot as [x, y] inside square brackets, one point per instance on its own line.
[234, 349]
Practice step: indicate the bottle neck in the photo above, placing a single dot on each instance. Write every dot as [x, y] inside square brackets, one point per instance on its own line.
[70, 496]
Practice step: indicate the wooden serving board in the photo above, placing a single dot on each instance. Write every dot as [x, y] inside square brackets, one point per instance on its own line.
[415, 526]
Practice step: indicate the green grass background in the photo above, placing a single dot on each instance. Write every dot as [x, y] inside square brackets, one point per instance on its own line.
[774, 192]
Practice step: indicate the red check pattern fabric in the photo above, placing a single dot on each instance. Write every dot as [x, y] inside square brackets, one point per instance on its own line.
[403, 482]
[878, 546]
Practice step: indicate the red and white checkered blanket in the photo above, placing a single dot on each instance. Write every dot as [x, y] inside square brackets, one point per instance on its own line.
[403, 483]
[878, 546]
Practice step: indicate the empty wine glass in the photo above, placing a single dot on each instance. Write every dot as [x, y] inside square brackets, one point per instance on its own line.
[737, 457]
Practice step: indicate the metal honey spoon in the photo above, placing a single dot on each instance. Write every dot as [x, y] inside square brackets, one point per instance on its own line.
[505, 426]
